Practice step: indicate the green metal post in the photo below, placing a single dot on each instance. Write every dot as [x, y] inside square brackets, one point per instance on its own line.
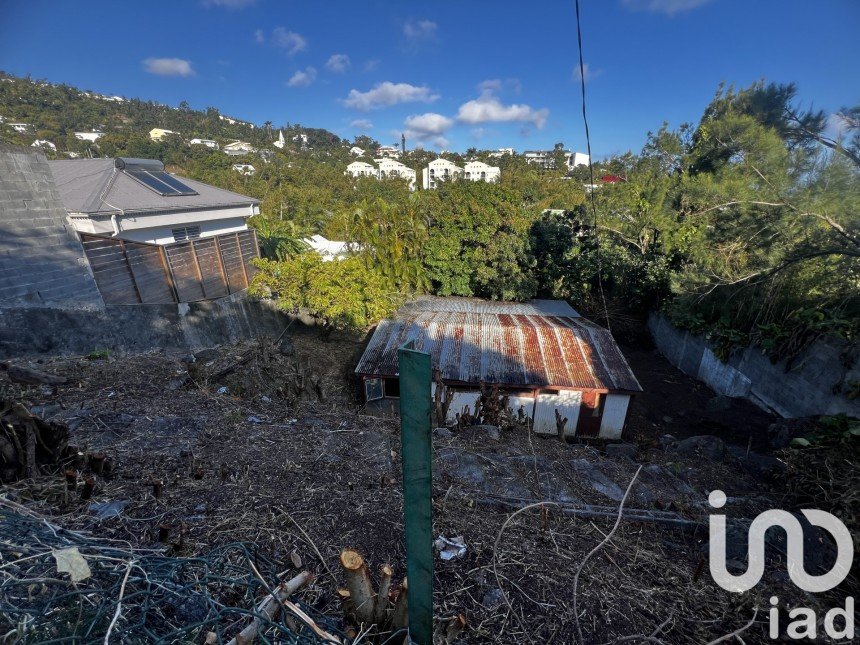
[415, 433]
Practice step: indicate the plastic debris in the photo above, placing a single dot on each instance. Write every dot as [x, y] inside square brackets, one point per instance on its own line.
[255, 419]
[105, 510]
[72, 562]
[223, 389]
[450, 548]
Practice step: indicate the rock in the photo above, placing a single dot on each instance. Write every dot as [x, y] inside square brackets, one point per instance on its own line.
[200, 508]
[442, 433]
[493, 432]
[286, 346]
[206, 355]
[265, 399]
[493, 599]
[667, 441]
[705, 445]
[667, 419]
[597, 479]
[756, 464]
[46, 412]
[719, 403]
[177, 383]
[618, 450]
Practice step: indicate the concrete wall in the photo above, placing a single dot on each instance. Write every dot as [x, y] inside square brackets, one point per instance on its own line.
[815, 384]
[42, 262]
[136, 328]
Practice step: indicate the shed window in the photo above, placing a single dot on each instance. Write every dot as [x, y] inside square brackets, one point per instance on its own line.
[185, 233]
[373, 389]
[392, 388]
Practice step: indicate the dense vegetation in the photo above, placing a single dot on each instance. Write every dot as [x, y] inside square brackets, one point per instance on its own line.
[743, 226]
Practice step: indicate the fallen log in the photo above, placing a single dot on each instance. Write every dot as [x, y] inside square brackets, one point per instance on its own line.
[29, 376]
[270, 606]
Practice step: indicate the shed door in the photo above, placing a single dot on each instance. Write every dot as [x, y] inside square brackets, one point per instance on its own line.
[567, 404]
[591, 414]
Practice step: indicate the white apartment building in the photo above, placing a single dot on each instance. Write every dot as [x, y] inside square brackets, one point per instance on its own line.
[356, 151]
[501, 152]
[244, 168]
[439, 170]
[479, 171]
[361, 169]
[238, 148]
[391, 168]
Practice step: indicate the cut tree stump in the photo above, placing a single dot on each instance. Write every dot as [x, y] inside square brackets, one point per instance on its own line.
[360, 586]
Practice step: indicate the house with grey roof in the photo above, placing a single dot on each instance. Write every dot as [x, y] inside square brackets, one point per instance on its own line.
[137, 200]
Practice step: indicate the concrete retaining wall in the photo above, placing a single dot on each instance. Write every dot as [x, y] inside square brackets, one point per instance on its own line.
[815, 384]
[136, 328]
[42, 262]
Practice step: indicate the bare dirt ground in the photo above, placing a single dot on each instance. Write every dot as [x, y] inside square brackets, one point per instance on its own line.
[295, 474]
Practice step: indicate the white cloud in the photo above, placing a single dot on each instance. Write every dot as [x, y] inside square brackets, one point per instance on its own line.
[488, 109]
[361, 124]
[229, 4]
[477, 133]
[168, 66]
[338, 63]
[429, 123]
[260, 36]
[440, 142]
[589, 72]
[668, 7]
[303, 78]
[490, 85]
[419, 29]
[371, 65]
[289, 40]
[388, 93]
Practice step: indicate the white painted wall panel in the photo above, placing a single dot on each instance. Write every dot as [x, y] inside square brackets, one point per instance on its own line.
[567, 402]
[614, 415]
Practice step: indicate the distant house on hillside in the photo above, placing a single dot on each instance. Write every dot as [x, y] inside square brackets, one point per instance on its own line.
[157, 134]
[209, 143]
[233, 121]
[136, 200]
[440, 170]
[388, 151]
[391, 169]
[44, 144]
[245, 169]
[479, 171]
[501, 152]
[546, 158]
[280, 143]
[328, 249]
[361, 169]
[356, 151]
[238, 148]
[89, 136]
[21, 127]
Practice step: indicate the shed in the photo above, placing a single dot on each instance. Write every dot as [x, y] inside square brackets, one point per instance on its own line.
[541, 353]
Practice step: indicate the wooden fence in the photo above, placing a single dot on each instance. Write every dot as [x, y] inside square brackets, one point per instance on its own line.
[129, 273]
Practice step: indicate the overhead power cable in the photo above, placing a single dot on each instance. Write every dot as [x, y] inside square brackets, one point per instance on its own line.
[590, 169]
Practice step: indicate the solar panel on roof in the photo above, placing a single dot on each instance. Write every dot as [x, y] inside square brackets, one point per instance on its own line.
[174, 183]
[161, 182]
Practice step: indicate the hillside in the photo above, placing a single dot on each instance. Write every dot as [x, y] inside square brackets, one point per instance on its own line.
[57, 111]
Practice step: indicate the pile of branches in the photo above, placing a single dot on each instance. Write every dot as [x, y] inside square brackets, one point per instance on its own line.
[259, 368]
[60, 585]
[29, 445]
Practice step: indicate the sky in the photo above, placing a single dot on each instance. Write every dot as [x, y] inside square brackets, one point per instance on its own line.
[450, 75]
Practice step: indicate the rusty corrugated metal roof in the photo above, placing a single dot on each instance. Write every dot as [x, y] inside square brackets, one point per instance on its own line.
[479, 306]
[512, 349]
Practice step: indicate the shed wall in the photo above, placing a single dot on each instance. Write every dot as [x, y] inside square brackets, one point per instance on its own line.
[614, 416]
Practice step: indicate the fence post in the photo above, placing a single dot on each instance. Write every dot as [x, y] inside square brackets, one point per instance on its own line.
[415, 435]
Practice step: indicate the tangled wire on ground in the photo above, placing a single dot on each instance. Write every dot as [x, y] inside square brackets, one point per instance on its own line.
[134, 595]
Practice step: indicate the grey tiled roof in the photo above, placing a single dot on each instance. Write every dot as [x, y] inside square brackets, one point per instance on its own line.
[96, 186]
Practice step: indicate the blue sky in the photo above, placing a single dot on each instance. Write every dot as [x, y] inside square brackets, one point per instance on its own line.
[451, 74]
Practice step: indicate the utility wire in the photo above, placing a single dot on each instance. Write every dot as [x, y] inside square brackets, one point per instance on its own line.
[590, 169]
